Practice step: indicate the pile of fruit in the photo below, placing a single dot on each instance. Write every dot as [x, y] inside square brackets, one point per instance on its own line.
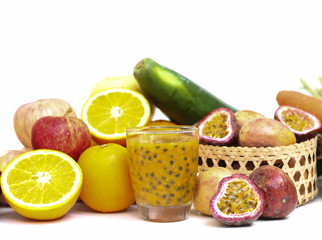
[68, 158]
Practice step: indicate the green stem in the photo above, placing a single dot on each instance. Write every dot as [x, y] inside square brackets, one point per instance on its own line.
[309, 89]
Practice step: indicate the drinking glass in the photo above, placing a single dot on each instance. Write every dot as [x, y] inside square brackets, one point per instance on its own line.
[163, 166]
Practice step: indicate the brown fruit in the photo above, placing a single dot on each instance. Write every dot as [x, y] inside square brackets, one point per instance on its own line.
[243, 116]
[207, 186]
[279, 191]
[265, 132]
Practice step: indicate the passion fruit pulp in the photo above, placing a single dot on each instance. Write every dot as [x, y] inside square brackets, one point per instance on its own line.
[303, 124]
[238, 201]
[219, 127]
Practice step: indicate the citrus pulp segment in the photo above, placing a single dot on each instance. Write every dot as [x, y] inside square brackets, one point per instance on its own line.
[42, 184]
[110, 112]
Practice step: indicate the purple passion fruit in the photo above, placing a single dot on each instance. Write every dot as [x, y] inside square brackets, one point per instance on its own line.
[206, 187]
[238, 201]
[219, 127]
[243, 116]
[303, 124]
[279, 191]
[265, 132]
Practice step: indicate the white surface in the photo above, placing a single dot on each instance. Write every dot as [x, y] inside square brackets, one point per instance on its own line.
[242, 51]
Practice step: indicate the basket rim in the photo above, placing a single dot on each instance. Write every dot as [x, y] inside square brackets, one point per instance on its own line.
[282, 148]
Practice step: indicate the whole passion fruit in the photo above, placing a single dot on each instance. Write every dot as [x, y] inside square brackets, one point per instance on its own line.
[303, 124]
[219, 127]
[206, 187]
[279, 191]
[243, 116]
[265, 132]
[238, 201]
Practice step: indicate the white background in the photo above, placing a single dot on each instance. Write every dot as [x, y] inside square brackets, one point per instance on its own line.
[244, 52]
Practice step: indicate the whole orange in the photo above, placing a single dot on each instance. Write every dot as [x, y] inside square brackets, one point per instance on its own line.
[107, 184]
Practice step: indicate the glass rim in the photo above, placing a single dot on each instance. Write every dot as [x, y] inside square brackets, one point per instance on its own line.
[163, 129]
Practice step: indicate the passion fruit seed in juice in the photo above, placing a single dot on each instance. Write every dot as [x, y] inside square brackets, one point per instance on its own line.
[164, 173]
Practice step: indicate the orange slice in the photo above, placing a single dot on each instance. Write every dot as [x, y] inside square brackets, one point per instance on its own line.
[42, 184]
[110, 112]
[128, 82]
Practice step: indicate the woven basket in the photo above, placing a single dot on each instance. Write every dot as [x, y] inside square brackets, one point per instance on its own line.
[297, 160]
[319, 148]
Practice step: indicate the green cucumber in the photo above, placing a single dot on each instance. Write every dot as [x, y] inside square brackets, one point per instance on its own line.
[179, 98]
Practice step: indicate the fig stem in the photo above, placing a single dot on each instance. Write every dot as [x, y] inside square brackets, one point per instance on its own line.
[68, 111]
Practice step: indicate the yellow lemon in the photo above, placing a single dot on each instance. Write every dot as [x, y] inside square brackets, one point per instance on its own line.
[42, 184]
[107, 184]
[110, 112]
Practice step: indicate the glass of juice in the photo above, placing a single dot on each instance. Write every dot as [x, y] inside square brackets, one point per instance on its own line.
[163, 167]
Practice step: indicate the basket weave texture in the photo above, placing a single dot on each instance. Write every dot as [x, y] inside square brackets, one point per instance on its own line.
[319, 148]
[297, 160]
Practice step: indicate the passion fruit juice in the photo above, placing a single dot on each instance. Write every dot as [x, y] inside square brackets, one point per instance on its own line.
[163, 169]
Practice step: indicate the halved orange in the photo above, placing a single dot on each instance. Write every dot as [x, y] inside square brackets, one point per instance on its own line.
[109, 82]
[127, 81]
[110, 112]
[42, 184]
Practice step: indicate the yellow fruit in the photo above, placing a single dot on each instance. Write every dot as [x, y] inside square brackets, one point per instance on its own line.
[128, 82]
[109, 82]
[42, 184]
[206, 187]
[110, 112]
[107, 184]
[93, 143]
[161, 122]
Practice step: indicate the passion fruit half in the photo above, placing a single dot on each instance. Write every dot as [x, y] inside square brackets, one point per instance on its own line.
[238, 201]
[219, 127]
[303, 124]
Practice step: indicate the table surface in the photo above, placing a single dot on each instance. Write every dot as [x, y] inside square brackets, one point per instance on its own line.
[82, 222]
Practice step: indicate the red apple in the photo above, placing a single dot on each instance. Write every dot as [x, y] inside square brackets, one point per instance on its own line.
[66, 134]
[27, 114]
